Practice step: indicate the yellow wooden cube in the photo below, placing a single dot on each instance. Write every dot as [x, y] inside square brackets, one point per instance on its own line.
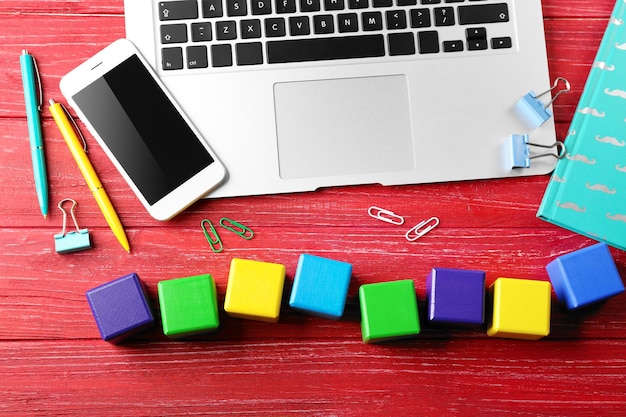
[521, 309]
[254, 290]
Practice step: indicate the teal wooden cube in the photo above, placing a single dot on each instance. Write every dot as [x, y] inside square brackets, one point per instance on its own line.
[188, 306]
[320, 286]
[388, 311]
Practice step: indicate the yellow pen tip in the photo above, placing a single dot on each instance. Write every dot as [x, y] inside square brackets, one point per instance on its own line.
[45, 217]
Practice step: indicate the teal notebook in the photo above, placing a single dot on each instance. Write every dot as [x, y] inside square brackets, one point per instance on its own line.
[587, 191]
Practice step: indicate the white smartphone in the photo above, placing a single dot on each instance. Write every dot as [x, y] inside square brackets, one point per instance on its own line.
[142, 129]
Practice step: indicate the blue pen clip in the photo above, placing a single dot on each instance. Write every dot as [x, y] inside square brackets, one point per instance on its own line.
[519, 146]
[67, 242]
[533, 111]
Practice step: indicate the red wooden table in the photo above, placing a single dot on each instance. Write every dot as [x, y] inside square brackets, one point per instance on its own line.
[52, 361]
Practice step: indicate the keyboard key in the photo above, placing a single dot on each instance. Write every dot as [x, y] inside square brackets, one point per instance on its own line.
[249, 53]
[483, 13]
[201, 32]
[321, 49]
[172, 58]
[334, 5]
[401, 44]
[221, 55]
[197, 57]
[226, 30]
[372, 21]
[477, 44]
[348, 22]
[453, 46]
[250, 29]
[285, 6]
[310, 5]
[178, 10]
[420, 18]
[476, 33]
[212, 8]
[406, 2]
[501, 43]
[275, 27]
[299, 26]
[382, 3]
[428, 42]
[323, 24]
[236, 8]
[261, 7]
[358, 4]
[444, 16]
[396, 19]
[174, 33]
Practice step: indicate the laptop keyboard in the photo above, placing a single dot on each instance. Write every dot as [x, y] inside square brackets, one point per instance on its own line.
[208, 35]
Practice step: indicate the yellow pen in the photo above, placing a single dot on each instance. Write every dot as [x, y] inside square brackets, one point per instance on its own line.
[76, 148]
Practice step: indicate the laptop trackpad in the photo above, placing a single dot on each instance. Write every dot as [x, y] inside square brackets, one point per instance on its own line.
[343, 127]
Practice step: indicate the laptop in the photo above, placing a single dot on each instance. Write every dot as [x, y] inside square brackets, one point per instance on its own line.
[294, 95]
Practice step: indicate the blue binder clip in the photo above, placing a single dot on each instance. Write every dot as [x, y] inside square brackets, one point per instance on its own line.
[71, 241]
[533, 111]
[520, 151]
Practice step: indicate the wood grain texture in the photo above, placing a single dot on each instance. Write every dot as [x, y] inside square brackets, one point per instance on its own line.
[52, 359]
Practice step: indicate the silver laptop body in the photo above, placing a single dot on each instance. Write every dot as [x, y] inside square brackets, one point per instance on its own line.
[298, 105]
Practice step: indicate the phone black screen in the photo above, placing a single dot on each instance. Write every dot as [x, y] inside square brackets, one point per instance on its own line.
[142, 128]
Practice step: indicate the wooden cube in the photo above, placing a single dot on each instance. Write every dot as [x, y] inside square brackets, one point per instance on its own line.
[188, 306]
[320, 286]
[388, 311]
[456, 296]
[521, 309]
[585, 276]
[254, 290]
[120, 308]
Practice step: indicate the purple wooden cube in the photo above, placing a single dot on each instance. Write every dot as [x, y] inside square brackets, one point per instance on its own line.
[120, 308]
[456, 296]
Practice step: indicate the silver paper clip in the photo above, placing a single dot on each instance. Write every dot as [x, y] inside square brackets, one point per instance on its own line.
[421, 229]
[67, 242]
[385, 215]
[520, 151]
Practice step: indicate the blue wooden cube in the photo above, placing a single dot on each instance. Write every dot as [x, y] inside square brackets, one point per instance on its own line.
[320, 286]
[456, 296]
[585, 276]
[120, 308]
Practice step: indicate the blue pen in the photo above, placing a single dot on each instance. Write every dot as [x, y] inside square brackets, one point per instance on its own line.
[32, 85]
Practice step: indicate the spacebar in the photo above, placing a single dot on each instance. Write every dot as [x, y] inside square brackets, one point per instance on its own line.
[322, 49]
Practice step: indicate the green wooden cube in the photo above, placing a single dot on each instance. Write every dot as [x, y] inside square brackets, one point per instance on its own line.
[188, 306]
[388, 311]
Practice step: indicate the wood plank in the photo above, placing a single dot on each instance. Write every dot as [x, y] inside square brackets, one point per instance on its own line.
[315, 378]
